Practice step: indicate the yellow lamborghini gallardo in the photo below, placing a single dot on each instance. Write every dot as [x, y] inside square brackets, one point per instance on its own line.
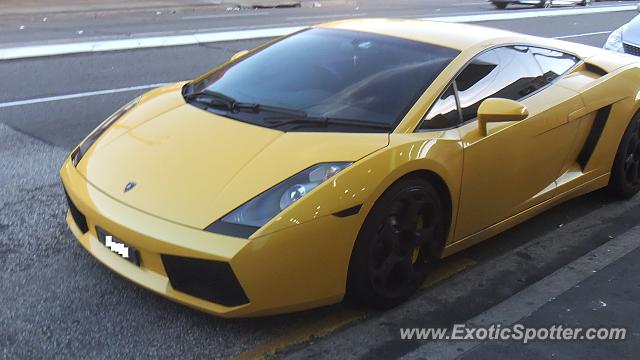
[346, 159]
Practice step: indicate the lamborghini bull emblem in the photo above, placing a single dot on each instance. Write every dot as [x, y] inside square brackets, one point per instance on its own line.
[130, 185]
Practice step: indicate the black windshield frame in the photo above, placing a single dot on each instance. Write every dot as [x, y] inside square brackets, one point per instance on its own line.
[441, 57]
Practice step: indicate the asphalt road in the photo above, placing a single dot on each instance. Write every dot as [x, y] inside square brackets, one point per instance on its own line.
[20, 29]
[57, 301]
[24, 28]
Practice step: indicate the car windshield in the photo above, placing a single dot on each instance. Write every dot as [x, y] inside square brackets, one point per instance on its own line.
[325, 80]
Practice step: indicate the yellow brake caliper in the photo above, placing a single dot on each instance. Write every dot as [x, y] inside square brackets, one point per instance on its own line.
[416, 250]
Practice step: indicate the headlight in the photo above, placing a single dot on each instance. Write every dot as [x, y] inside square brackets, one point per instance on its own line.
[249, 217]
[86, 144]
[614, 42]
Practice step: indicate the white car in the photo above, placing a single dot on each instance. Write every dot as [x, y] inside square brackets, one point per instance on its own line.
[501, 4]
[626, 39]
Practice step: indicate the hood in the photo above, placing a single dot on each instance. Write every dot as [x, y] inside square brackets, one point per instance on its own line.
[192, 167]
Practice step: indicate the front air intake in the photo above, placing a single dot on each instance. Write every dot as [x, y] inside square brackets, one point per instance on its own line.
[78, 218]
[205, 279]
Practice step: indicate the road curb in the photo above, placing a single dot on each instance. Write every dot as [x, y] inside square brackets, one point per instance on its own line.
[140, 43]
[43, 50]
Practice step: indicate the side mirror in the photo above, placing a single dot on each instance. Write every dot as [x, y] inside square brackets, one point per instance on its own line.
[500, 110]
[239, 54]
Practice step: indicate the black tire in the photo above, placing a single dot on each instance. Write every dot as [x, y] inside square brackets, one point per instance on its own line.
[500, 5]
[398, 244]
[585, 3]
[625, 174]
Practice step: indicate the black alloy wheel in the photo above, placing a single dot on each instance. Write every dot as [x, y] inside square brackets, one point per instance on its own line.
[625, 174]
[398, 244]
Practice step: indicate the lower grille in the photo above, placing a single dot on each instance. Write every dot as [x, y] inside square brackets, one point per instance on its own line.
[631, 49]
[205, 279]
[78, 218]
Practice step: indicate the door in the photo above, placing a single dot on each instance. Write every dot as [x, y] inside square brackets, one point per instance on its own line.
[515, 166]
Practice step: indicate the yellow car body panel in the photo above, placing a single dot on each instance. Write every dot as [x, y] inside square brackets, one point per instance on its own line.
[300, 258]
[194, 191]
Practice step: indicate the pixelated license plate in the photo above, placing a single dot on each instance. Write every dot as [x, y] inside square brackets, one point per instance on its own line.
[117, 246]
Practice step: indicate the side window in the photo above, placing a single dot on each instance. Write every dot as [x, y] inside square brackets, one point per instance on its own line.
[444, 113]
[506, 72]
[553, 63]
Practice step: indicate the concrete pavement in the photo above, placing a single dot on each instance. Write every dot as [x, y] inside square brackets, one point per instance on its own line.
[609, 298]
[600, 289]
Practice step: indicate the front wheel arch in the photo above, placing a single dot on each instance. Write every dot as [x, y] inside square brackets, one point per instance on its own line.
[438, 182]
[443, 190]
[359, 286]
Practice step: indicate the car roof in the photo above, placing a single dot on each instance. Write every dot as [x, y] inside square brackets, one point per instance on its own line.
[452, 35]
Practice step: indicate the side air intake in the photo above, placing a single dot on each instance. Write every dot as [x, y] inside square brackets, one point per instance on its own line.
[589, 146]
[595, 69]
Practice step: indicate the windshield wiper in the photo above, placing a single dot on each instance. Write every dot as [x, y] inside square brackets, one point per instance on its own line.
[212, 99]
[216, 99]
[324, 121]
[256, 107]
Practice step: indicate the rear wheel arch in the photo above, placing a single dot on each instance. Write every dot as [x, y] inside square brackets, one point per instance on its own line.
[627, 153]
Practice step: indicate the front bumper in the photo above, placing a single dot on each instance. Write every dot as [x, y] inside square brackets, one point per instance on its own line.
[299, 267]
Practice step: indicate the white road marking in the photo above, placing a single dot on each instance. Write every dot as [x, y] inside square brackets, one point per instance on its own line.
[581, 35]
[469, 4]
[496, 16]
[140, 43]
[143, 87]
[332, 16]
[216, 16]
[77, 95]
[203, 30]
[178, 40]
